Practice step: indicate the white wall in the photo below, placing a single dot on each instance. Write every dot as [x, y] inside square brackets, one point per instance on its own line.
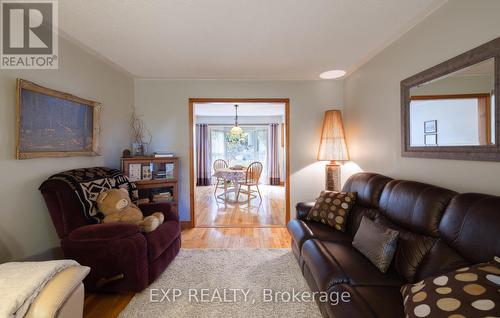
[164, 106]
[372, 97]
[457, 121]
[25, 225]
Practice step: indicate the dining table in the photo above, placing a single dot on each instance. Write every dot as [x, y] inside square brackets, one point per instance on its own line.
[233, 174]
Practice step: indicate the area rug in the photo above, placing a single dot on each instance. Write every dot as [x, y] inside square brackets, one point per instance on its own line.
[227, 283]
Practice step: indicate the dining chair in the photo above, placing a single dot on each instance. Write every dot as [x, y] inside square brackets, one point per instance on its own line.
[252, 177]
[219, 164]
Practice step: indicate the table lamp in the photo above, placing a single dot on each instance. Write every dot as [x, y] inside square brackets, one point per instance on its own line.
[333, 148]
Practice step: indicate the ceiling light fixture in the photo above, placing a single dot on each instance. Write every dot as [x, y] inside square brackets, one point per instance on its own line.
[236, 130]
[332, 74]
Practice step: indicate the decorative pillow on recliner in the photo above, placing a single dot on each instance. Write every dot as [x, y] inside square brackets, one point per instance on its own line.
[332, 208]
[376, 242]
[467, 292]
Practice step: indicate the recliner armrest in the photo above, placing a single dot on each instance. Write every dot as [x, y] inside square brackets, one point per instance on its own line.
[303, 209]
[103, 232]
[163, 207]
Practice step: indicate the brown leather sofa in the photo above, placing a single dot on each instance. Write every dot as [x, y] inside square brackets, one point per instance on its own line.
[440, 230]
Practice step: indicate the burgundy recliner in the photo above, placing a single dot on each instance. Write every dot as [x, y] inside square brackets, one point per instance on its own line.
[121, 258]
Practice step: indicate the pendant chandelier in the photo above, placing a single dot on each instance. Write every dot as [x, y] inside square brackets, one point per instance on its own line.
[236, 130]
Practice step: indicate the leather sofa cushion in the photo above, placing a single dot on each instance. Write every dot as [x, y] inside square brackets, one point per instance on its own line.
[411, 249]
[302, 231]
[368, 186]
[358, 268]
[332, 263]
[303, 209]
[441, 259]
[299, 232]
[415, 206]
[367, 301]
[471, 226]
[326, 233]
[357, 214]
[161, 238]
[322, 266]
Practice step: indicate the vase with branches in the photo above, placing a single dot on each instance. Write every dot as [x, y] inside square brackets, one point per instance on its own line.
[141, 135]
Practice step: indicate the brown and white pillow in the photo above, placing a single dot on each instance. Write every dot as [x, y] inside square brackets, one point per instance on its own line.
[467, 292]
[332, 208]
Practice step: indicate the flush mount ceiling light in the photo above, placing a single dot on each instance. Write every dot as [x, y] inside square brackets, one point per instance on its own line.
[332, 74]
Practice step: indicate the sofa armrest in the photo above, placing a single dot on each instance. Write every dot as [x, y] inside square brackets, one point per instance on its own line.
[104, 232]
[163, 207]
[303, 209]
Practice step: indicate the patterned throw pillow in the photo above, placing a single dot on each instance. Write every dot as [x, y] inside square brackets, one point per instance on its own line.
[332, 208]
[467, 292]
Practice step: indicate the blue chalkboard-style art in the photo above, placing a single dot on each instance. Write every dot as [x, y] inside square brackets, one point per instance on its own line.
[55, 124]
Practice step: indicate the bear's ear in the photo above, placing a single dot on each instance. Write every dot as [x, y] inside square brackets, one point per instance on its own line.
[124, 190]
[101, 197]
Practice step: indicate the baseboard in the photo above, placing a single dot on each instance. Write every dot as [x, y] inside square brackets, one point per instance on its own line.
[185, 225]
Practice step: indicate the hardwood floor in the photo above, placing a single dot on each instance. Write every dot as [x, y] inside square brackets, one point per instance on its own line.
[105, 305]
[236, 238]
[213, 212]
[110, 305]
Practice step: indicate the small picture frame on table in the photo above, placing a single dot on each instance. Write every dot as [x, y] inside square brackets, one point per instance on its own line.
[134, 172]
[147, 173]
[430, 127]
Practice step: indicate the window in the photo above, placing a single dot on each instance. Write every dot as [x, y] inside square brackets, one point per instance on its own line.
[252, 146]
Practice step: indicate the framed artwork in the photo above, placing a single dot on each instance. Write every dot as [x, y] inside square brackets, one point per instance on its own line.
[134, 172]
[147, 173]
[430, 140]
[55, 124]
[430, 127]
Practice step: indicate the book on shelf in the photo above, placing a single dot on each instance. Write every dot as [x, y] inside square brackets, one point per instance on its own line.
[143, 201]
[163, 154]
[163, 197]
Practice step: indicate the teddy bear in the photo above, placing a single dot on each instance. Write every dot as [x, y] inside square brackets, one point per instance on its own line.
[116, 206]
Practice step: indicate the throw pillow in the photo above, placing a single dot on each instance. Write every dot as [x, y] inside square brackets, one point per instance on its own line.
[332, 208]
[376, 242]
[467, 292]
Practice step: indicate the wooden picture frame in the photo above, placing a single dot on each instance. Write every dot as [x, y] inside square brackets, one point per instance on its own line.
[62, 140]
[489, 152]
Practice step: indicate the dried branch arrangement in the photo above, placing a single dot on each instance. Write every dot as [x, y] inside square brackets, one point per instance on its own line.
[140, 133]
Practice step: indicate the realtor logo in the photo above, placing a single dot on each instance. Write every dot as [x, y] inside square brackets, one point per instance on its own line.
[28, 34]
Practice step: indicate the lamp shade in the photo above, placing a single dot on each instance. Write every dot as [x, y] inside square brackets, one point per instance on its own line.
[332, 144]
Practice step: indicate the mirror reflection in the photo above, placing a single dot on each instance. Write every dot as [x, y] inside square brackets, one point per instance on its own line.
[456, 109]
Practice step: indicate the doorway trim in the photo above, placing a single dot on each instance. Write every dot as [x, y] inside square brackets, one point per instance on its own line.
[193, 101]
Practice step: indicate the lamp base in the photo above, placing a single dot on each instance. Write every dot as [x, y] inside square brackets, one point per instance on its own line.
[332, 176]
